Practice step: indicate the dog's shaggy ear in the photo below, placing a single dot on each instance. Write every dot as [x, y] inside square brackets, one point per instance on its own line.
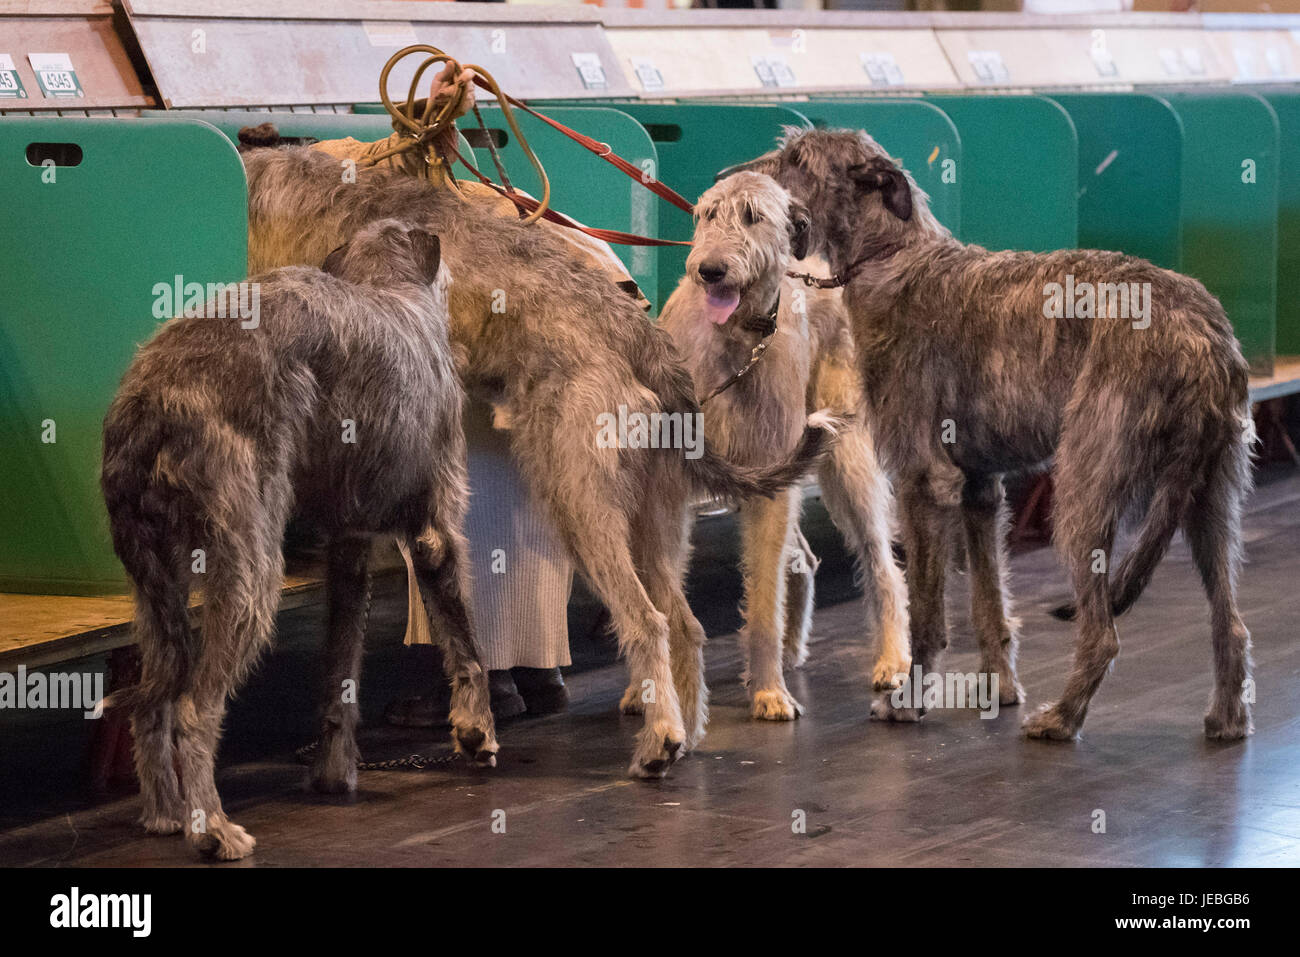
[426, 249]
[334, 261]
[800, 229]
[889, 180]
[262, 135]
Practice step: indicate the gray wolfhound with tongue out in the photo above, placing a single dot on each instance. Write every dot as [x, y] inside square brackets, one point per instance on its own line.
[979, 363]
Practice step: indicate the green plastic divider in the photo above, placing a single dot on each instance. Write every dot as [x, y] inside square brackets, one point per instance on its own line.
[1285, 101]
[917, 133]
[1130, 174]
[1230, 192]
[150, 200]
[1018, 174]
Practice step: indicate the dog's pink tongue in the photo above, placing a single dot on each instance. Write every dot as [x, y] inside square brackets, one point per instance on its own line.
[719, 308]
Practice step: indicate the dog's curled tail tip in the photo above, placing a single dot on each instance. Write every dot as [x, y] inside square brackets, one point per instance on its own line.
[829, 421]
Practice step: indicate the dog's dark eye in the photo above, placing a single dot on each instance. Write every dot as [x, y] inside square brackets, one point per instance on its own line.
[752, 218]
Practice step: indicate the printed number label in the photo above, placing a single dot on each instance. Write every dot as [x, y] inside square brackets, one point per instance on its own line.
[648, 75]
[989, 66]
[882, 69]
[590, 70]
[58, 81]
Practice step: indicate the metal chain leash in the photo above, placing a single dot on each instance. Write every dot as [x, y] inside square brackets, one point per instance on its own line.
[414, 762]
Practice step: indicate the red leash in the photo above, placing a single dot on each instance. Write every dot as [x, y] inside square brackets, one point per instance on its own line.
[602, 150]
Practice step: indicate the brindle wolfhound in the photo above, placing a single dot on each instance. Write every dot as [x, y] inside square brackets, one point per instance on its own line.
[748, 234]
[560, 349]
[977, 363]
[340, 405]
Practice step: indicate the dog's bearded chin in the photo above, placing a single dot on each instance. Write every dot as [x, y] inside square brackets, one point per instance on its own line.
[720, 303]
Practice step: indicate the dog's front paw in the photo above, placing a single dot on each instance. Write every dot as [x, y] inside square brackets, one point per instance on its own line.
[1229, 722]
[775, 704]
[476, 743]
[223, 840]
[653, 761]
[1048, 723]
[884, 709]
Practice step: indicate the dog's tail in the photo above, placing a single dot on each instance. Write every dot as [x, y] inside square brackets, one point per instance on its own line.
[659, 367]
[726, 479]
[150, 534]
[1168, 508]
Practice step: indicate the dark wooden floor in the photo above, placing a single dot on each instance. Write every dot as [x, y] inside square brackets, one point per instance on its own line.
[955, 790]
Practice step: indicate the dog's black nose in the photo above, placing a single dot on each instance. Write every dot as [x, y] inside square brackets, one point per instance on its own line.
[713, 272]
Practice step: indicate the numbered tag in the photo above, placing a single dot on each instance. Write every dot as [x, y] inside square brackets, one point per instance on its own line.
[11, 86]
[773, 70]
[1193, 62]
[1244, 57]
[55, 75]
[988, 66]
[647, 74]
[1169, 61]
[1104, 62]
[590, 70]
[882, 69]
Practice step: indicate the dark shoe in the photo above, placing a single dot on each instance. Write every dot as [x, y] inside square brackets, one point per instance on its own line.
[506, 700]
[418, 711]
[542, 688]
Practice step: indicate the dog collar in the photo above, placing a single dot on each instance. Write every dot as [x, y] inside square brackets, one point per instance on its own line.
[766, 326]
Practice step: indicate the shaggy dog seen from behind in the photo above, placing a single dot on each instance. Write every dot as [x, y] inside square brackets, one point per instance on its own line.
[974, 365]
[341, 404]
[748, 234]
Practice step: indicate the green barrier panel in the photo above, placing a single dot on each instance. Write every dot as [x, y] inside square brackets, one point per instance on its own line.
[1018, 173]
[1230, 191]
[917, 133]
[1130, 174]
[319, 126]
[694, 141]
[1286, 104]
[150, 200]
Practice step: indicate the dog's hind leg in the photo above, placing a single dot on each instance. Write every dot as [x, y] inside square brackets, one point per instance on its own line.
[1213, 527]
[439, 558]
[335, 769]
[857, 495]
[800, 597]
[165, 641]
[661, 546]
[767, 532]
[240, 600]
[1093, 472]
[984, 517]
[928, 507]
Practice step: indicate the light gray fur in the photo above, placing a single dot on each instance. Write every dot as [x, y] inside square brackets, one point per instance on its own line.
[1150, 423]
[218, 435]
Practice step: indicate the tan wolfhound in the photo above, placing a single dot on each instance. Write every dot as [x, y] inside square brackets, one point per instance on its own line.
[748, 234]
